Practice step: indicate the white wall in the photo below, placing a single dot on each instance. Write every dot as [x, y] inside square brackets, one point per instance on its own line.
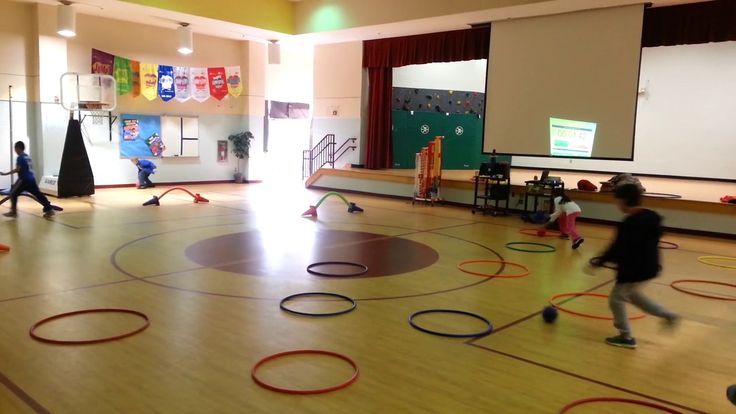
[292, 79]
[468, 75]
[217, 119]
[685, 124]
[338, 86]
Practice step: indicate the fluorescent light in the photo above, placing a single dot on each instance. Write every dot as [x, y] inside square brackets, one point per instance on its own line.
[66, 20]
[186, 39]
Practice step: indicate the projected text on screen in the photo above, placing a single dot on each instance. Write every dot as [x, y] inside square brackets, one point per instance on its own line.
[568, 138]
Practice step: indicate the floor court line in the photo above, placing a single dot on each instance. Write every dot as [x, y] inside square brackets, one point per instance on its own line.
[22, 395]
[147, 279]
[539, 312]
[584, 378]
[11, 299]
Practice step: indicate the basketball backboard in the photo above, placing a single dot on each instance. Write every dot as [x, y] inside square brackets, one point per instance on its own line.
[88, 91]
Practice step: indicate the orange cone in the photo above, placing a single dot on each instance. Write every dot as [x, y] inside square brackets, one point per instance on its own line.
[4, 248]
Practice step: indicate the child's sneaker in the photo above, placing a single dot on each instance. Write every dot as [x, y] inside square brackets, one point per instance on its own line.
[48, 214]
[577, 243]
[672, 322]
[622, 342]
[11, 214]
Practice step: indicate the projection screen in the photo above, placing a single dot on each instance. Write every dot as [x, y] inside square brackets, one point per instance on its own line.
[565, 85]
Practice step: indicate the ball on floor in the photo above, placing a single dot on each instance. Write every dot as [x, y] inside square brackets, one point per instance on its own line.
[731, 394]
[541, 232]
[549, 314]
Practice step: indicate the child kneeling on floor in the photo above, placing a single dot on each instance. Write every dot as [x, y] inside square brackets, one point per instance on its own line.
[566, 213]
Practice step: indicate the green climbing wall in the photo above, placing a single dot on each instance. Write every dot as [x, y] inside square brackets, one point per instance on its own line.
[462, 145]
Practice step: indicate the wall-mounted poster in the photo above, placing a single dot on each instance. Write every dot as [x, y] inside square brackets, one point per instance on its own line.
[140, 136]
[221, 151]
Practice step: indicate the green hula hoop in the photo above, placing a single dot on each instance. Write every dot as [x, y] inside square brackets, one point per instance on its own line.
[550, 249]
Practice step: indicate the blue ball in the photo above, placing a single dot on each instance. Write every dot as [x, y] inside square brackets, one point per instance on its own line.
[731, 394]
[549, 314]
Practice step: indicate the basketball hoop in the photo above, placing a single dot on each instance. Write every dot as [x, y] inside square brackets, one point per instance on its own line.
[95, 111]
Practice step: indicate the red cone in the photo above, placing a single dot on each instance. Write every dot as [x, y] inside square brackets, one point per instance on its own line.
[312, 212]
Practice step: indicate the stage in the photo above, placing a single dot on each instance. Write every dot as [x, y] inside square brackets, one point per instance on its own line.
[698, 209]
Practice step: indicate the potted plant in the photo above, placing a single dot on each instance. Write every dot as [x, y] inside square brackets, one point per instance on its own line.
[241, 149]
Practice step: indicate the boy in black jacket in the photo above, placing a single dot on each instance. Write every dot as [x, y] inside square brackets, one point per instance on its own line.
[636, 252]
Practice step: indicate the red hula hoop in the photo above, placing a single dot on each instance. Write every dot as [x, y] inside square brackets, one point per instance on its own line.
[547, 233]
[38, 324]
[585, 315]
[271, 387]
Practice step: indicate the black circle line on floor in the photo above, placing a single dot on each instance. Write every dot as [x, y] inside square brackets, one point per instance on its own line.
[147, 279]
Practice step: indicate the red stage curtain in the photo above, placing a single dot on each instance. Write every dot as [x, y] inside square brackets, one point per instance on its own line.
[710, 21]
[379, 148]
[380, 56]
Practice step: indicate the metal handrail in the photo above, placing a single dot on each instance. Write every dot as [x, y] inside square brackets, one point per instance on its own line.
[316, 158]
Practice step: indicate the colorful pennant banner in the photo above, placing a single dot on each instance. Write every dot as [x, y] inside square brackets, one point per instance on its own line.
[168, 82]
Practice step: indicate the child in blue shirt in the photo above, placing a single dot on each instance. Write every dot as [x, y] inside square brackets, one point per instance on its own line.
[26, 182]
[145, 168]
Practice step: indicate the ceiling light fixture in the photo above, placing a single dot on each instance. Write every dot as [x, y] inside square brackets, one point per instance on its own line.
[66, 20]
[186, 39]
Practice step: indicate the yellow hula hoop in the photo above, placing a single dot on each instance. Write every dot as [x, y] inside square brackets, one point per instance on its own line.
[708, 261]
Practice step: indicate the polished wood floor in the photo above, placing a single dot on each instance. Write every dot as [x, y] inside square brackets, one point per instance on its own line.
[210, 277]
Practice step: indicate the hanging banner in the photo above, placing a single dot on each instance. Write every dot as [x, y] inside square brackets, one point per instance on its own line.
[234, 81]
[166, 82]
[135, 77]
[102, 62]
[149, 80]
[182, 85]
[122, 75]
[218, 84]
[200, 85]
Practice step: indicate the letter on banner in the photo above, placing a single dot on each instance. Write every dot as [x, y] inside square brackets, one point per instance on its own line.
[135, 77]
[123, 75]
[166, 82]
[200, 84]
[234, 81]
[102, 62]
[182, 83]
[218, 84]
[149, 80]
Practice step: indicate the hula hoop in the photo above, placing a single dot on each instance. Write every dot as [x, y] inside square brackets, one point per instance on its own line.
[547, 233]
[550, 249]
[585, 315]
[308, 391]
[479, 334]
[661, 195]
[38, 324]
[363, 269]
[702, 295]
[334, 295]
[503, 262]
[605, 266]
[667, 245]
[708, 261]
[577, 403]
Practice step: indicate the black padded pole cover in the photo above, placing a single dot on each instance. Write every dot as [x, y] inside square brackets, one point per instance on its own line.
[75, 174]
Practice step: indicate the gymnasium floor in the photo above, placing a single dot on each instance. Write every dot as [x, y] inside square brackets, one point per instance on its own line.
[210, 277]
